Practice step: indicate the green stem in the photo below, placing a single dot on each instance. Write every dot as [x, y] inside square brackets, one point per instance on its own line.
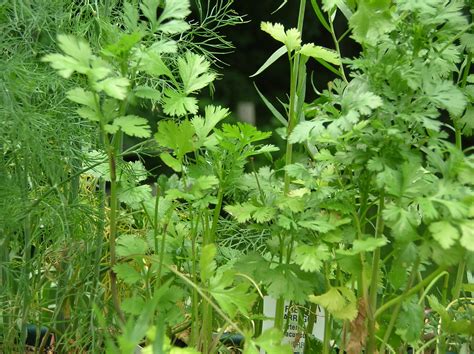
[292, 121]
[397, 309]
[409, 293]
[310, 326]
[327, 333]
[371, 344]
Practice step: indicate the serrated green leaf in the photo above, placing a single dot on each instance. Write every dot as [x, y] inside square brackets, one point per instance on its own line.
[306, 130]
[318, 52]
[467, 237]
[149, 8]
[130, 245]
[76, 48]
[446, 95]
[178, 104]
[264, 214]
[178, 9]
[174, 26]
[194, 72]
[270, 341]
[127, 273]
[88, 113]
[372, 19]
[151, 62]
[339, 301]
[241, 212]
[230, 297]
[115, 87]
[310, 258]
[81, 96]
[147, 92]
[291, 38]
[445, 233]
[207, 263]
[63, 64]
[179, 138]
[133, 126]
[133, 306]
[133, 196]
[410, 322]
[130, 16]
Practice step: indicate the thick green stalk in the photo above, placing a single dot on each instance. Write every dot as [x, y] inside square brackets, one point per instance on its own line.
[371, 344]
[292, 121]
[310, 326]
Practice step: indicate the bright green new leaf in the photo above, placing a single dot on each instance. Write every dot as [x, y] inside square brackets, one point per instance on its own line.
[130, 245]
[291, 38]
[306, 130]
[63, 64]
[194, 71]
[75, 48]
[445, 233]
[206, 262]
[115, 87]
[270, 341]
[329, 5]
[310, 258]
[176, 137]
[178, 104]
[127, 273]
[81, 96]
[241, 212]
[338, 301]
[318, 52]
[133, 126]
[212, 116]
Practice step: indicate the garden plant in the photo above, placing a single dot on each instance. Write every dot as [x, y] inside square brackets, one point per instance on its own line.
[365, 212]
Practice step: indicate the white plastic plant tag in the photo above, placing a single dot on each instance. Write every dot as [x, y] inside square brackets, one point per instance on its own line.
[295, 332]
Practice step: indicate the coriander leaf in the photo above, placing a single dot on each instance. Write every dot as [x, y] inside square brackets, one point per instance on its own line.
[133, 126]
[339, 301]
[128, 274]
[147, 92]
[77, 49]
[445, 233]
[467, 238]
[175, 9]
[87, 113]
[178, 104]
[130, 245]
[193, 70]
[291, 38]
[241, 212]
[318, 52]
[270, 341]
[170, 161]
[81, 96]
[310, 258]
[230, 297]
[263, 214]
[446, 95]
[372, 19]
[115, 87]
